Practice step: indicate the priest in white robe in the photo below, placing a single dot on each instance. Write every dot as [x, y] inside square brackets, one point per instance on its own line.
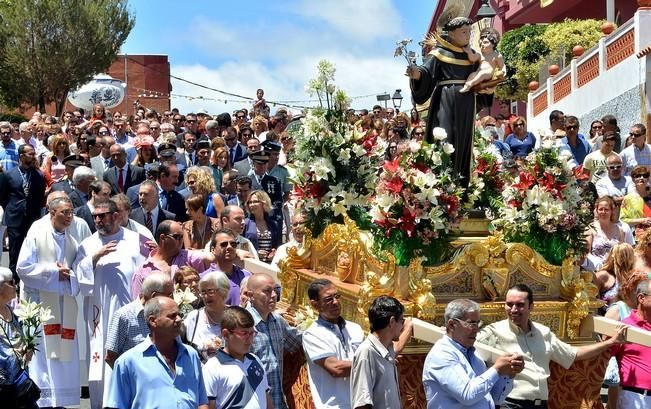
[80, 231]
[105, 264]
[43, 267]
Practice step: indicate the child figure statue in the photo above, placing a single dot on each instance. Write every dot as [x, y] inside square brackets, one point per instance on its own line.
[491, 62]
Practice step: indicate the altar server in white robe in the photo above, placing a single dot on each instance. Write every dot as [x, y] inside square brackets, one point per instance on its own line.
[80, 231]
[105, 264]
[43, 266]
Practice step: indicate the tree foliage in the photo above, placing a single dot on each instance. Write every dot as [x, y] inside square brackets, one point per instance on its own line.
[50, 47]
[526, 49]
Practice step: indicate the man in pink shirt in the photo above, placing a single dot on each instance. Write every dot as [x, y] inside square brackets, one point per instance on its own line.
[634, 359]
[168, 257]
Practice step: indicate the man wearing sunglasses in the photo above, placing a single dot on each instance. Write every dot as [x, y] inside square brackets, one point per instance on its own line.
[330, 344]
[106, 261]
[579, 145]
[615, 184]
[223, 248]
[595, 162]
[639, 152]
[168, 257]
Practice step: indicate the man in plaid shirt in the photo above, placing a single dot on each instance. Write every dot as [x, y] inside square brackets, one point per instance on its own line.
[275, 335]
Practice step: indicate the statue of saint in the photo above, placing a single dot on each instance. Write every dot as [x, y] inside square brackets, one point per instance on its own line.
[440, 79]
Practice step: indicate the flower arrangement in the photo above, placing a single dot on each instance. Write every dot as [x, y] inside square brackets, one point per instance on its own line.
[335, 165]
[31, 315]
[548, 206]
[417, 201]
[184, 300]
[487, 179]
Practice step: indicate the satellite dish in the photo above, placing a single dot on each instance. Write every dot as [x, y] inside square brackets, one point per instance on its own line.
[102, 89]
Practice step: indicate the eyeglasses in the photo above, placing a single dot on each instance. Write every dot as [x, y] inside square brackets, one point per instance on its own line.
[100, 215]
[243, 334]
[641, 176]
[470, 324]
[597, 127]
[190, 121]
[614, 167]
[191, 182]
[572, 128]
[209, 292]
[67, 212]
[240, 117]
[103, 133]
[246, 135]
[517, 125]
[175, 236]
[419, 133]
[331, 299]
[635, 135]
[225, 244]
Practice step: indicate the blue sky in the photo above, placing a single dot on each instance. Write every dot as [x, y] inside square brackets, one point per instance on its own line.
[239, 46]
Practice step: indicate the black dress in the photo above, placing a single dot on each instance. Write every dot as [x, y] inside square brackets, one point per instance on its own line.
[442, 76]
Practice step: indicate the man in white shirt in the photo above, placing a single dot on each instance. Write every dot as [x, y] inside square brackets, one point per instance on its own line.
[234, 377]
[639, 152]
[330, 344]
[298, 232]
[615, 184]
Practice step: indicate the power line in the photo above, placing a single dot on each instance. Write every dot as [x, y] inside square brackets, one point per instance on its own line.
[234, 95]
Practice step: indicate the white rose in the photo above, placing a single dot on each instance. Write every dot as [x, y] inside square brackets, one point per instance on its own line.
[448, 148]
[439, 134]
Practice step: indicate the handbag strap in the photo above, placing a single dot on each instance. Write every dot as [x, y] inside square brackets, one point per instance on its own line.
[13, 318]
[196, 324]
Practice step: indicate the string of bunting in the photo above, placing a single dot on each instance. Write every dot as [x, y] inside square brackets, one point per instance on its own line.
[147, 93]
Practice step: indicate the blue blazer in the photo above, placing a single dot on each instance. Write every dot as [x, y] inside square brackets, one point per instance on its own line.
[251, 231]
[20, 208]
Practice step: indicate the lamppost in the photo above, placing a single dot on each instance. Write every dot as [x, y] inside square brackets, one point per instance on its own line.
[485, 15]
[397, 100]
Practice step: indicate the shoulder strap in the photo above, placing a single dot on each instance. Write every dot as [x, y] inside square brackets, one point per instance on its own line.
[196, 324]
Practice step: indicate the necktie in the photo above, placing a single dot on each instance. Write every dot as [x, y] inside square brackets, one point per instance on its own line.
[232, 155]
[148, 223]
[107, 163]
[120, 180]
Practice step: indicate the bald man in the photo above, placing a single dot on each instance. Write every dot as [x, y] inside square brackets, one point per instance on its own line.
[275, 336]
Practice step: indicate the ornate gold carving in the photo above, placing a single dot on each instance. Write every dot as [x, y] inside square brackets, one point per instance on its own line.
[578, 290]
[421, 300]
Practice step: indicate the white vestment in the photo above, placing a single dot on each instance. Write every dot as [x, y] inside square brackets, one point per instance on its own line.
[79, 230]
[58, 379]
[107, 286]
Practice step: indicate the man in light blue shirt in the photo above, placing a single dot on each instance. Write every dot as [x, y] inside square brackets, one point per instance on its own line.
[8, 148]
[160, 372]
[454, 375]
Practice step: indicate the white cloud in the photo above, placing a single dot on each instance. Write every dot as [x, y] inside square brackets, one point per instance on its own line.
[358, 36]
[357, 76]
[362, 20]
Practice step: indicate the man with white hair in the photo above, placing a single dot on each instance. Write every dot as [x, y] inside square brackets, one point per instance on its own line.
[82, 177]
[44, 267]
[128, 327]
[105, 264]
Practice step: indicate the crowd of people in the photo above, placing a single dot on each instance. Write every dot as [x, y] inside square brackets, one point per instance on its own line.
[106, 215]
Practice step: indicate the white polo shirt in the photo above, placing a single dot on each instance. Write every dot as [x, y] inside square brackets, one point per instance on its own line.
[234, 383]
[324, 339]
